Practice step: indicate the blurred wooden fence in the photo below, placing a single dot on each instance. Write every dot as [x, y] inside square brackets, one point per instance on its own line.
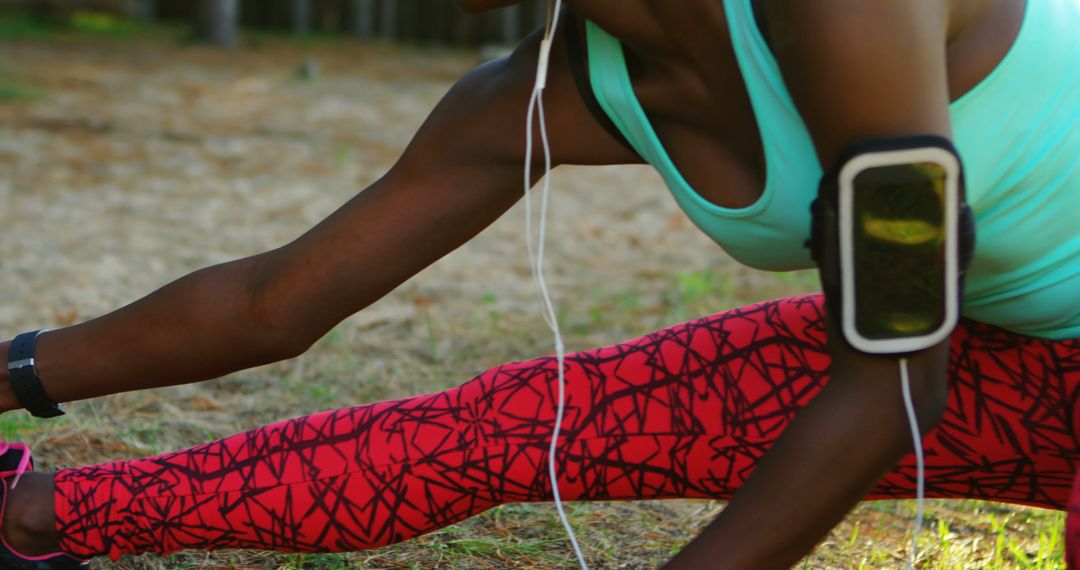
[424, 21]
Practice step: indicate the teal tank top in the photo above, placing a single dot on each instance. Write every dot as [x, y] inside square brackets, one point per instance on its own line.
[1017, 132]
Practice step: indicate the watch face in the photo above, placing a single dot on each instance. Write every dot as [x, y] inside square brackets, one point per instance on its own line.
[899, 250]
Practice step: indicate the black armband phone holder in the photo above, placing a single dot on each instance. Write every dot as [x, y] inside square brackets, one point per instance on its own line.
[892, 236]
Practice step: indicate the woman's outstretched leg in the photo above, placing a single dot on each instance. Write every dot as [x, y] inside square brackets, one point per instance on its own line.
[684, 412]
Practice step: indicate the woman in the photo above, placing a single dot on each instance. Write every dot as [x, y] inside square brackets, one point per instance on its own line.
[692, 87]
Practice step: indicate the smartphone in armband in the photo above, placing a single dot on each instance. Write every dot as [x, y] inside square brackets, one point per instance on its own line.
[899, 250]
[892, 235]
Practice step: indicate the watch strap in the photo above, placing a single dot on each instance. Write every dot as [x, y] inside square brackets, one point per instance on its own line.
[23, 375]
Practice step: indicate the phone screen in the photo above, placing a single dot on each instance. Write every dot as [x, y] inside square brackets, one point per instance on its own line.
[898, 214]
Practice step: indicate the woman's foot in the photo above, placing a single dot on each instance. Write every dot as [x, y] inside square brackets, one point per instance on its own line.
[28, 524]
[28, 538]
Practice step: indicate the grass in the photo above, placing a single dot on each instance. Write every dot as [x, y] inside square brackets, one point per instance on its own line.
[20, 25]
[957, 535]
[15, 425]
[13, 90]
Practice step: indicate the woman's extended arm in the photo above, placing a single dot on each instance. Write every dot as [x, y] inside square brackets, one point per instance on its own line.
[462, 170]
[855, 69]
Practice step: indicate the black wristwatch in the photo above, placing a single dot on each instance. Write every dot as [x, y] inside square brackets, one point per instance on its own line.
[23, 374]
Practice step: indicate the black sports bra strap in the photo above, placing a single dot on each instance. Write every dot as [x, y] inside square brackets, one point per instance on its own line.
[576, 51]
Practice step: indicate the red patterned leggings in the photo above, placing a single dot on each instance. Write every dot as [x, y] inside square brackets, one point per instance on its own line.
[683, 412]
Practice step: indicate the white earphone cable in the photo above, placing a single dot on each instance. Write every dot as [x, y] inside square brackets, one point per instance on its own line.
[536, 255]
[920, 484]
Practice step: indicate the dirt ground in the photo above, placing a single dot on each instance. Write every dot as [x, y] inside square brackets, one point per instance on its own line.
[130, 162]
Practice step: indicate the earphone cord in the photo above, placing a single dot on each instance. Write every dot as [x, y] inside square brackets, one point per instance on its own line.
[920, 484]
[536, 258]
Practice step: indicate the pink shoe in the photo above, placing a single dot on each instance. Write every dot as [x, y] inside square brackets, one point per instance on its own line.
[14, 461]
